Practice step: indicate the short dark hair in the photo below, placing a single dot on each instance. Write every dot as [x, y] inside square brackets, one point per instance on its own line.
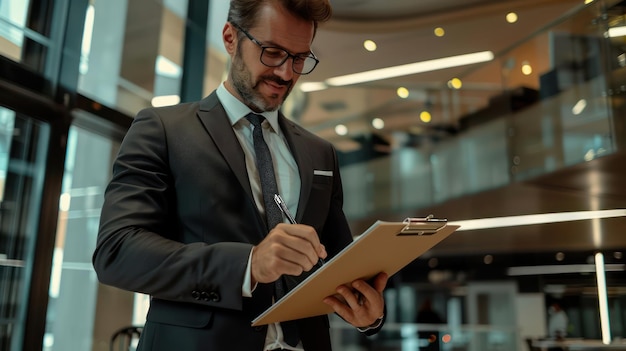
[244, 12]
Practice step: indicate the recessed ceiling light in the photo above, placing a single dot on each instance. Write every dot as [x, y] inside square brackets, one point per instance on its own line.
[440, 32]
[455, 83]
[378, 123]
[425, 116]
[527, 69]
[403, 92]
[341, 129]
[370, 45]
[511, 17]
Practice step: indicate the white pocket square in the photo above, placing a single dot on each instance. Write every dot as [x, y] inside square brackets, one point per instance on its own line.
[323, 173]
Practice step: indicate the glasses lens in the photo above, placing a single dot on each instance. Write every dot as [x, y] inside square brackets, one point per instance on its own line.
[274, 57]
[307, 66]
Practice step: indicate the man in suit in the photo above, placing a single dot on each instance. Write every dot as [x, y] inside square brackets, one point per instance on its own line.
[184, 218]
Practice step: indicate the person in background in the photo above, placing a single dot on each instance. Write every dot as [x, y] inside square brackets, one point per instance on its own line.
[427, 315]
[186, 217]
[557, 322]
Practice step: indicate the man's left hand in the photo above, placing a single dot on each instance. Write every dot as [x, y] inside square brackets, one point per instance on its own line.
[362, 303]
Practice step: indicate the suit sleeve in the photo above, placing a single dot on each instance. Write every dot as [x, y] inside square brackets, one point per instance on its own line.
[139, 247]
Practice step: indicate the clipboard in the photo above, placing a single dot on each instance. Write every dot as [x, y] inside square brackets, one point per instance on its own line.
[384, 247]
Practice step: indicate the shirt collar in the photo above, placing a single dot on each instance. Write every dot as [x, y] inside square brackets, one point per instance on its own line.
[236, 110]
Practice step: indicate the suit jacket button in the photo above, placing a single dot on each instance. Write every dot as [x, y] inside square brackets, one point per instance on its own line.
[215, 297]
[195, 294]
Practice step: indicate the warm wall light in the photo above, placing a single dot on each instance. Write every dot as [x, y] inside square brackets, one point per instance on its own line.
[370, 45]
[411, 68]
[425, 116]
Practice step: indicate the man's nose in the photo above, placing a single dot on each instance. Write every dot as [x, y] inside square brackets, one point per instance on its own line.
[285, 71]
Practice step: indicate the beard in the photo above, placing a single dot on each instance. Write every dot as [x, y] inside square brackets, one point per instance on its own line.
[249, 90]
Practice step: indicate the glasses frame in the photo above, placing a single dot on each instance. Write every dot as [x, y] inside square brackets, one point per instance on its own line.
[289, 55]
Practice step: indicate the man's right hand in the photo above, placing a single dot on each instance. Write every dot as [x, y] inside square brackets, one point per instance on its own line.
[287, 249]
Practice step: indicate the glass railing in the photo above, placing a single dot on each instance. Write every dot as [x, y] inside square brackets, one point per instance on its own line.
[554, 108]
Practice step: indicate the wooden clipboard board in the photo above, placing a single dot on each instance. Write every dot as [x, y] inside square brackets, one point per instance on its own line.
[384, 247]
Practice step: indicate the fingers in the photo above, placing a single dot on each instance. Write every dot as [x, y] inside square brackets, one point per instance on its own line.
[360, 303]
[287, 249]
[380, 282]
[302, 238]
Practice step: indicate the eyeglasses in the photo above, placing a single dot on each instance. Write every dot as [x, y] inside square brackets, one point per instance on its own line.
[272, 56]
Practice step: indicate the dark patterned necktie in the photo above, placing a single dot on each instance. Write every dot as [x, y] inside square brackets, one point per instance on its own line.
[273, 215]
[266, 172]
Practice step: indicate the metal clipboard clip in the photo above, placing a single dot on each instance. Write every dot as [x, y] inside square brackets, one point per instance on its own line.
[422, 226]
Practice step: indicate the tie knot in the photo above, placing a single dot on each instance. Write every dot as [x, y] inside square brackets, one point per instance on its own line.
[255, 119]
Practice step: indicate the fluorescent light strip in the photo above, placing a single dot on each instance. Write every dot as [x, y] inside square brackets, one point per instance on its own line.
[561, 269]
[411, 68]
[165, 100]
[309, 87]
[617, 32]
[602, 299]
[512, 221]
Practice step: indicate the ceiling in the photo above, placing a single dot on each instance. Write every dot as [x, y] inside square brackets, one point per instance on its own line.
[403, 30]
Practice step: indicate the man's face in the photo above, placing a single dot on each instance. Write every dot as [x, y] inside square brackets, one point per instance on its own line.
[260, 87]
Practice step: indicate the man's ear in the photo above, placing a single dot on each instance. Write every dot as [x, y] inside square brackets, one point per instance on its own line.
[229, 36]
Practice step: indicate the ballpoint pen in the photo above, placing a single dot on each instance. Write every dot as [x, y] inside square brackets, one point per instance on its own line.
[283, 208]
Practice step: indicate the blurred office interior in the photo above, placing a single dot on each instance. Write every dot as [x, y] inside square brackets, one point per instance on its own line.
[525, 124]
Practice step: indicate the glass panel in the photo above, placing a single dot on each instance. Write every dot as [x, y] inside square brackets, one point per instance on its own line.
[12, 23]
[23, 144]
[132, 52]
[559, 79]
[542, 105]
[74, 290]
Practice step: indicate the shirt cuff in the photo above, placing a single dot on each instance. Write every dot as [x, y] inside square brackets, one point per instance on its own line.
[247, 288]
[374, 325]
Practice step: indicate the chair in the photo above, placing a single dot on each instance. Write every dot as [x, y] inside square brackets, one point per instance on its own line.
[125, 339]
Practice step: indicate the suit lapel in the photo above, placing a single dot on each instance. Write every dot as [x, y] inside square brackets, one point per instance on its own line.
[299, 149]
[217, 124]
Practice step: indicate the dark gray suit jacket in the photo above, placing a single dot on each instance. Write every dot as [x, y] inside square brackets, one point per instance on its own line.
[179, 221]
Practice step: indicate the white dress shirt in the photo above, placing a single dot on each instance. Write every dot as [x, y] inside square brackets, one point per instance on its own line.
[287, 179]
